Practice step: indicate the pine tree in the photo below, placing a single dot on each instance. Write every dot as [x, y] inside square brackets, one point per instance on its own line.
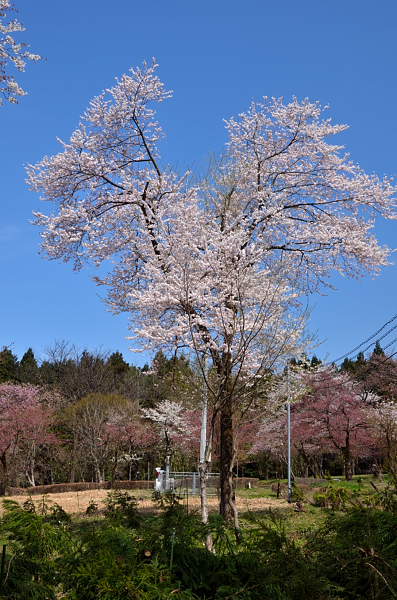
[117, 364]
[8, 365]
[28, 367]
[378, 351]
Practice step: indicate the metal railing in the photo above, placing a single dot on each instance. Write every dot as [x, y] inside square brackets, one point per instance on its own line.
[187, 482]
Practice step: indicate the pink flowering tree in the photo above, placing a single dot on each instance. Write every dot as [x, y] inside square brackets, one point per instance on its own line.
[329, 414]
[383, 419]
[25, 429]
[334, 416]
[130, 437]
[215, 266]
[11, 52]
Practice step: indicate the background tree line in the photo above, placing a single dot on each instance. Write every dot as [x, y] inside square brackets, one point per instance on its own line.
[90, 405]
[80, 415]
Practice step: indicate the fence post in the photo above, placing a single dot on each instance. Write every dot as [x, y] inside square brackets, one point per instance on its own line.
[167, 473]
[3, 558]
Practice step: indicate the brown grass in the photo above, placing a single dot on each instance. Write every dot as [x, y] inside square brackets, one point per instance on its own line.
[76, 503]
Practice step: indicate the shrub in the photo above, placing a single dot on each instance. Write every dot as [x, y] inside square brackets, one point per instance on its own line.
[91, 509]
[334, 497]
[34, 543]
[297, 494]
[122, 508]
[357, 552]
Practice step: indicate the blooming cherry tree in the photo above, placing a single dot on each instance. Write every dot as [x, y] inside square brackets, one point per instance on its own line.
[333, 415]
[217, 266]
[383, 418]
[174, 422]
[11, 51]
[25, 428]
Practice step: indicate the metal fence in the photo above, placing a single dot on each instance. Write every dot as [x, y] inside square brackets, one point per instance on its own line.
[184, 482]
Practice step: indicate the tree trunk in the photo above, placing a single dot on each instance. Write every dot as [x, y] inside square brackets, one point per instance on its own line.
[348, 470]
[114, 467]
[30, 475]
[72, 471]
[3, 459]
[348, 460]
[228, 508]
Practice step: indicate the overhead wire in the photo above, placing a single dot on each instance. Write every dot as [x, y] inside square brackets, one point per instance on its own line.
[368, 339]
[369, 366]
[379, 339]
[318, 380]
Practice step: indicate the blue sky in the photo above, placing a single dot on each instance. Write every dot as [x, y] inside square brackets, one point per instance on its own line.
[216, 57]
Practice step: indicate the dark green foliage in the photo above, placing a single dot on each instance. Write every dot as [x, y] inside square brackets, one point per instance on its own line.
[358, 552]
[264, 564]
[58, 516]
[315, 362]
[121, 508]
[297, 494]
[117, 365]
[33, 546]
[91, 509]
[354, 367]
[8, 365]
[283, 569]
[110, 564]
[378, 350]
[352, 556]
[173, 517]
[334, 497]
[28, 368]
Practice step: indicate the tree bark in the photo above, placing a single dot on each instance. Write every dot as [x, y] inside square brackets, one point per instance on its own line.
[72, 470]
[228, 508]
[3, 459]
[348, 460]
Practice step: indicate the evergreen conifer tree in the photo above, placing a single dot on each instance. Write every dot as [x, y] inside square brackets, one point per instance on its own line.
[8, 365]
[378, 351]
[28, 367]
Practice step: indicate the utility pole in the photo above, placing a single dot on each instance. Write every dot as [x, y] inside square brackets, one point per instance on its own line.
[167, 473]
[288, 437]
[204, 461]
[203, 436]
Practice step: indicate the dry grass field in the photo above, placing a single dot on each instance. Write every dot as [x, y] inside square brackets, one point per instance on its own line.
[76, 503]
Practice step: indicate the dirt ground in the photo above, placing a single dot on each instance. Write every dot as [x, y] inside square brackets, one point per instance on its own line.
[75, 503]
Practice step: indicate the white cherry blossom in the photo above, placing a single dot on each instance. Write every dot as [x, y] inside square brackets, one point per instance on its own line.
[217, 266]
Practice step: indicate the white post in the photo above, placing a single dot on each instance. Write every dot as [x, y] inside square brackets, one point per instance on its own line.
[167, 473]
[203, 436]
[288, 437]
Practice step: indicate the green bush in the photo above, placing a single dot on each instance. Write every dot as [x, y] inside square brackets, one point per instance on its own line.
[334, 497]
[34, 543]
[91, 509]
[297, 494]
[49, 556]
[122, 508]
[358, 553]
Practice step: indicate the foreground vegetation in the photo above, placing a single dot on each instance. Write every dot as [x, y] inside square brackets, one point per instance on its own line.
[344, 547]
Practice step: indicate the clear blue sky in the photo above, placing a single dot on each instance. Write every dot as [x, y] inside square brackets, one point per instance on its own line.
[217, 57]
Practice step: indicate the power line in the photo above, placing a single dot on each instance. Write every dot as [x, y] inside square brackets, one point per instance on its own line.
[381, 338]
[366, 370]
[368, 339]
